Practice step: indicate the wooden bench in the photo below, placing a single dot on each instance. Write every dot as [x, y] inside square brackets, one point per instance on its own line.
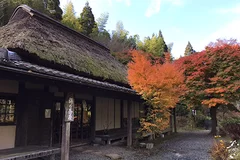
[111, 137]
[30, 152]
[151, 136]
[121, 134]
[116, 134]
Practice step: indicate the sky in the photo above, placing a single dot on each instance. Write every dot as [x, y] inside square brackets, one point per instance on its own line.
[197, 21]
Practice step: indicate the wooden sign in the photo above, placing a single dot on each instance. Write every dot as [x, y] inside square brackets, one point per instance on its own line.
[69, 108]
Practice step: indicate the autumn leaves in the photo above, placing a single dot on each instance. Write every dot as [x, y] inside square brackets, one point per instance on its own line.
[208, 78]
[160, 85]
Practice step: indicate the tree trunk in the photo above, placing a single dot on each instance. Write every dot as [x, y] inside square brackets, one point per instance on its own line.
[213, 114]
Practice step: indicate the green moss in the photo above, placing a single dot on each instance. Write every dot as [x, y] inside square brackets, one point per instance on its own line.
[55, 44]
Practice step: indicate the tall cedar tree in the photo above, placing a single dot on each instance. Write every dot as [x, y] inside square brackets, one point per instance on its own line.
[86, 20]
[165, 47]
[212, 77]
[160, 85]
[53, 6]
[189, 49]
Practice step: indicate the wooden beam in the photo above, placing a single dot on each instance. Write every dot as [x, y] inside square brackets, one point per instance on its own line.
[129, 124]
[68, 118]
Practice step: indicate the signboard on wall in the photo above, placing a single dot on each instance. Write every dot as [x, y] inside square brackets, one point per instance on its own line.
[47, 113]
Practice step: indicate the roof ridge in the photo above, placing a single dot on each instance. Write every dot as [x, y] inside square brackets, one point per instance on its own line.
[33, 12]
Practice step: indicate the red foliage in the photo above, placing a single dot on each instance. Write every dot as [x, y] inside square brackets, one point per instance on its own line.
[212, 76]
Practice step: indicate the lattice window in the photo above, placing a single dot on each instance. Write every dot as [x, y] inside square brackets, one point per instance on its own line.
[7, 111]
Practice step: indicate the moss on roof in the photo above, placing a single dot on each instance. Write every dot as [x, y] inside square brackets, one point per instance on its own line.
[43, 40]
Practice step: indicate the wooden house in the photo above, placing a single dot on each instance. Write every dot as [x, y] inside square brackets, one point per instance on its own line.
[58, 85]
[41, 63]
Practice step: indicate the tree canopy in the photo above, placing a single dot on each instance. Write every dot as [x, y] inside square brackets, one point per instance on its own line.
[160, 85]
[154, 45]
[212, 76]
[87, 21]
[102, 21]
[69, 19]
[189, 49]
[49, 7]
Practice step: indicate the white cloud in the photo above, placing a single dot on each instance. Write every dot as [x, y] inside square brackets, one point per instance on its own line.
[153, 8]
[228, 31]
[235, 10]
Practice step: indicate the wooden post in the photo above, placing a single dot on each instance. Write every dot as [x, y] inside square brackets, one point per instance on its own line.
[68, 118]
[129, 124]
[21, 117]
[174, 120]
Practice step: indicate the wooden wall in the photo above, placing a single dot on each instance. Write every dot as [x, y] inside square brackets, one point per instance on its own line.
[135, 109]
[33, 128]
[8, 86]
[7, 137]
[108, 113]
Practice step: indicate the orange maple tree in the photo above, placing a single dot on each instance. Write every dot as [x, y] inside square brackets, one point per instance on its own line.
[160, 85]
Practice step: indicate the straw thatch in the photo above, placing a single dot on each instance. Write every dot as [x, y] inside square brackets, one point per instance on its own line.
[41, 40]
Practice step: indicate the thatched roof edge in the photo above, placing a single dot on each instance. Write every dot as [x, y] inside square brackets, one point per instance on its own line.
[38, 14]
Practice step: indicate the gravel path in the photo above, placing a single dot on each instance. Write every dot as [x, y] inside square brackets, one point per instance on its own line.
[184, 146]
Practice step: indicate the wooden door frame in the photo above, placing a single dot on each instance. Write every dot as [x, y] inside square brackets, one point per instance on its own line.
[61, 101]
[91, 102]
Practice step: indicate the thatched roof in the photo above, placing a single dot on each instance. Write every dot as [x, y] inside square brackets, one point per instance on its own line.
[12, 62]
[44, 41]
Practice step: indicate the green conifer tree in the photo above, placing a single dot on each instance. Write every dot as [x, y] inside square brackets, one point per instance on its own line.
[86, 20]
[163, 43]
[189, 49]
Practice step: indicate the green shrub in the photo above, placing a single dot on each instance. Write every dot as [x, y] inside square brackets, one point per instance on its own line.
[200, 120]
